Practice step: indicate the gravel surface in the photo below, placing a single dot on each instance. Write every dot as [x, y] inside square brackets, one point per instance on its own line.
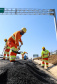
[24, 72]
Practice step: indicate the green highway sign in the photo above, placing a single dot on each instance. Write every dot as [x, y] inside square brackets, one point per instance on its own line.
[35, 55]
[1, 10]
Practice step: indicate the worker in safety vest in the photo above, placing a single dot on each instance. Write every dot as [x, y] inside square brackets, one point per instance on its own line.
[6, 50]
[23, 54]
[13, 43]
[45, 55]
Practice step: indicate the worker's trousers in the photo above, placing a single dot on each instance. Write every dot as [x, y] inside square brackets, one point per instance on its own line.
[45, 60]
[6, 52]
[12, 47]
[22, 56]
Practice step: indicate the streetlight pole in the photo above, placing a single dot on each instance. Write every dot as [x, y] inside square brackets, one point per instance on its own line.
[55, 21]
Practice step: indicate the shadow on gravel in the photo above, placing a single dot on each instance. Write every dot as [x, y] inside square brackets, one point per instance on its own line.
[51, 67]
[3, 77]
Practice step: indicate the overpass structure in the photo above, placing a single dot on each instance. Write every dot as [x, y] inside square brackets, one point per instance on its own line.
[29, 11]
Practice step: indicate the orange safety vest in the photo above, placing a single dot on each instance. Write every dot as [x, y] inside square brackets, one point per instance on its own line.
[23, 54]
[15, 38]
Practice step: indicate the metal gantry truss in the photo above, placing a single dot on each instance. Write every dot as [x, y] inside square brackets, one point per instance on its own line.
[30, 11]
[27, 11]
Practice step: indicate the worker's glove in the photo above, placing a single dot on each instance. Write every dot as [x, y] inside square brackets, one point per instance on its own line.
[6, 46]
[48, 56]
[21, 43]
[18, 48]
[41, 57]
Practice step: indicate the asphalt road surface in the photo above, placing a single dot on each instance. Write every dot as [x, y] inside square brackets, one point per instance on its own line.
[23, 72]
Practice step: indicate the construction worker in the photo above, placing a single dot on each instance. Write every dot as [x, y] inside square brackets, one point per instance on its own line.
[23, 54]
[6, 50]
[45, 56]
[13, 43]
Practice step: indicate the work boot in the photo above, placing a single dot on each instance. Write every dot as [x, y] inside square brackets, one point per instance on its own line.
[3, 58]
[48, 68]
[42, 66]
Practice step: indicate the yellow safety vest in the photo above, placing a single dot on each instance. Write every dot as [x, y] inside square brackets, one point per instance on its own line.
[45, 53]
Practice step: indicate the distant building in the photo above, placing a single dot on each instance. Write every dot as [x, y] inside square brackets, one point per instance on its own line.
[52, 53]
[55, 52]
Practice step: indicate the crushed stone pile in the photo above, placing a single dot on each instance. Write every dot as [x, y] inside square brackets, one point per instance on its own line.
[24, 72]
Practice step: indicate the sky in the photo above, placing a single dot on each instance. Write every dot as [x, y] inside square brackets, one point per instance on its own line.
[40, 28]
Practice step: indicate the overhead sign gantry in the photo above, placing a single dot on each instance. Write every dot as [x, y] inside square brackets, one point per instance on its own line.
[29, 11]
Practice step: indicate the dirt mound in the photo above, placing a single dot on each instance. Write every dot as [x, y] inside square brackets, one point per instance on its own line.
[24, 72]
[52, 59]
